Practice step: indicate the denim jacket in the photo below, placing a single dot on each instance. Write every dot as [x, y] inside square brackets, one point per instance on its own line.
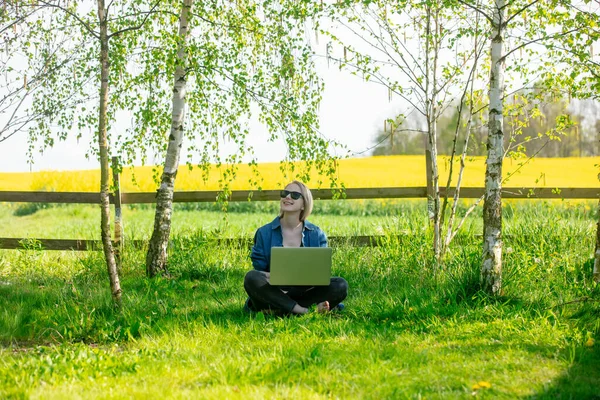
[270, 235]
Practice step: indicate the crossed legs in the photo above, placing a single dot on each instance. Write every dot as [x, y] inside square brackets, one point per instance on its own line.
[292, 299]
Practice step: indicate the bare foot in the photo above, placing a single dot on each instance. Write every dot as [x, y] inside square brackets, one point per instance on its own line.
[298, 309]
[323, 307]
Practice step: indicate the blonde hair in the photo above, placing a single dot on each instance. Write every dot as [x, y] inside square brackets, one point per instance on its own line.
[308, 200]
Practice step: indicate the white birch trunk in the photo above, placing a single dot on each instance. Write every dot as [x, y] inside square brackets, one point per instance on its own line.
[109, 254]
[491, 268]
[449, 234]
[156, 259]
[431, 107]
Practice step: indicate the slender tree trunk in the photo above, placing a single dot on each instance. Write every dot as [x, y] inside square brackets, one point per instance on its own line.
[597, 252]
[491, 268]
[450, 233]
[156, 259]
[115, 285]
[431, 113]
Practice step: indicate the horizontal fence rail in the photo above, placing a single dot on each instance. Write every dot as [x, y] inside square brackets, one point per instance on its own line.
[256, 195]
[318, 194]
[87, 245]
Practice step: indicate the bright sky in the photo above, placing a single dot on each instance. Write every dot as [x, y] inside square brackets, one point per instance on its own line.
[351, 112]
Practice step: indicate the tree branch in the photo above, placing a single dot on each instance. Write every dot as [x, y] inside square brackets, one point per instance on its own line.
[18, 20]
[516, 14]
[82, 22]
[379, 79]
[476, 9]
[538, 40]
[136, 27]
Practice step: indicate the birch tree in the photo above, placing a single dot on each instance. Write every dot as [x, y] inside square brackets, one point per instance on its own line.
[84, 63]
[244, 60]
[45, 20]
[541, 38]
[491, 267]
[424, 54]
[107, 245]
[156, 258]
[579, 53]
[537, 34]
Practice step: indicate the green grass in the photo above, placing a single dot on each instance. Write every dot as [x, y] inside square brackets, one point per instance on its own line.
[407, 331]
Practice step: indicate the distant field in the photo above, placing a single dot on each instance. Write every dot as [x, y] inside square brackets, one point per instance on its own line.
[387, 171]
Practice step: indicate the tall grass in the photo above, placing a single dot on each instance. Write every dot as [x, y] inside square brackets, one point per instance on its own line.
[408, 331]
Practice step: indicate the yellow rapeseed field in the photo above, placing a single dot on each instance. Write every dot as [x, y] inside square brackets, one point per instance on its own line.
[385, 171]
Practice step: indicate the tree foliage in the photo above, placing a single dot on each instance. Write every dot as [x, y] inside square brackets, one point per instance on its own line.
[242, 58]
[37, 50]
[246, 61]
[428, 55]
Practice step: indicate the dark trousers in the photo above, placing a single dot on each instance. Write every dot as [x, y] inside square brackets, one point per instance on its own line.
[264, 296]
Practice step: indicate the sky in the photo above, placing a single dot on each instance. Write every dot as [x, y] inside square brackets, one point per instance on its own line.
[352, 112]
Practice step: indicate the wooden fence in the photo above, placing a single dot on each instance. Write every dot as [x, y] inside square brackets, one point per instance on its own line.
[119, 198]
[318, 194]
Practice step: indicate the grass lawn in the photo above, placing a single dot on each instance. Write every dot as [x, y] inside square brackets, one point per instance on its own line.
[408, 330]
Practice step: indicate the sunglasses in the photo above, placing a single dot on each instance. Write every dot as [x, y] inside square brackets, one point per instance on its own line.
[293, 195]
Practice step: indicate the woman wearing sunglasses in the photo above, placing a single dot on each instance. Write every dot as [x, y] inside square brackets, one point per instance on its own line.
[289, 229]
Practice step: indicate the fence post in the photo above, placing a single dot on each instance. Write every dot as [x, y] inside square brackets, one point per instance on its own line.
[429, 173]
[118, 212]
[596, 270]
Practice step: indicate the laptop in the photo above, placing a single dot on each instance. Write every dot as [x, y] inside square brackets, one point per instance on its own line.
[300, 266]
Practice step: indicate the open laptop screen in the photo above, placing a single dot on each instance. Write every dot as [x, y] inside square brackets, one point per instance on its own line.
[300, 266]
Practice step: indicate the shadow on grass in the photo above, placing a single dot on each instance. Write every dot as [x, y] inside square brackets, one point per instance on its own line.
[54, 310]
[584, 371]
[580, 381]
[51, 310]
[79, 311]
[388, 304]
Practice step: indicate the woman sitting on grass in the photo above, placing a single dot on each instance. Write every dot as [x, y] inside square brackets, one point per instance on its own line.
[289, 229]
